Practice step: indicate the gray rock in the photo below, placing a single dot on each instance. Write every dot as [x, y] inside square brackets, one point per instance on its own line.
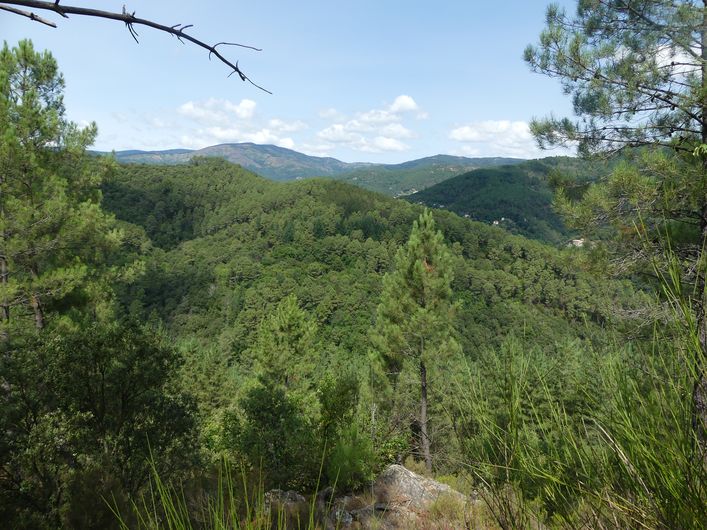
[398, 486]
[402, 500]
[288, 506]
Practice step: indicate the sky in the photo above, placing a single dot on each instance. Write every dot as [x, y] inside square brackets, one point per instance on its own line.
[362, 81]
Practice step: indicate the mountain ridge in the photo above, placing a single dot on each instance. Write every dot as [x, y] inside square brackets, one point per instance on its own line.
[282, 164]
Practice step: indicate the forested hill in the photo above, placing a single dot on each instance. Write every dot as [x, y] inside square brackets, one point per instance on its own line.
[227, 245]
[517, 198]
[415, 175]
[278, 163]
[271, 161]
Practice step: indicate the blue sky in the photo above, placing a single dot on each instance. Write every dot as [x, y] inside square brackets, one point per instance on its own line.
[380, 81]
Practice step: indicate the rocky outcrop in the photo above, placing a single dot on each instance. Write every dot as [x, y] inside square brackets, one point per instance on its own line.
[398, 486]
[287, 506]
[402, 499]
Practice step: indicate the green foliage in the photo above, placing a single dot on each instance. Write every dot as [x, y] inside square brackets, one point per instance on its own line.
[351, 463]
[80, 413]
[637, 76]
[584, 437]
[53, 234]
[631, 69]
[277, 437]
[243, 294]
[517, 198]
[414, 322]
[402, 179]
[416, 312]
[284, 349]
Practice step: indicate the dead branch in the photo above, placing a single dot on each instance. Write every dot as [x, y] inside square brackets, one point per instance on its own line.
[130, 20]
[28, 14]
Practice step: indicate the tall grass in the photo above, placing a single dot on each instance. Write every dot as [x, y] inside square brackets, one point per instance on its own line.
[626, 457]
[234, 505]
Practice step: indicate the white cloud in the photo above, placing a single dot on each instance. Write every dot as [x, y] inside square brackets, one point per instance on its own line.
[377, 116]
[221, 134]
[243, 110]
[217, 110]
[373, 131]
[338, 133]
[680, 61]
[224, 121]
[283, 126]
[383, 143]
[496, 138]
[193, 142]
[403, 103]
[397, 130]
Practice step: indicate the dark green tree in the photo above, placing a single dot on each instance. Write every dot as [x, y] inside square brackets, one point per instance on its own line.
[51, 225]
[637, 74]
[414, 321]
[81, 415]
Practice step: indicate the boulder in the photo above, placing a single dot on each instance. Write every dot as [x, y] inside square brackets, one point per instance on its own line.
[287, 506]
[403, 499]
[398, 486]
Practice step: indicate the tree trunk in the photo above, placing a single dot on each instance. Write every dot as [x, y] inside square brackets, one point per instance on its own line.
[423, 418]
[699, 392]
[38, 311]
[4, 273]
[4, 305]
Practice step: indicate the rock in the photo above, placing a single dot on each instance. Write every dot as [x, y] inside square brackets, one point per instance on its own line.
[288, 506]
[403, 500]
[398, 486]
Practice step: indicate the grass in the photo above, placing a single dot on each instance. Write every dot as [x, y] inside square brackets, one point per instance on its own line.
[629, 458]
[231, 507]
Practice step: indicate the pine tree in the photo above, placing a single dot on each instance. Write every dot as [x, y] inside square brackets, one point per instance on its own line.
[51, 224]
[414, 323]
[637, 74]
[285, 347]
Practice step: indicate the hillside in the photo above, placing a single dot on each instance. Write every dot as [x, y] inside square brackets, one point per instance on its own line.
[278, 163]
[517, 198]
[406, 178]
[271, 161]
[329, 243]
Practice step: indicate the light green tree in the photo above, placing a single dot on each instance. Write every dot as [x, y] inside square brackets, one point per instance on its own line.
[414, 321]
[285, 350]
[51, 224]
[637, 74]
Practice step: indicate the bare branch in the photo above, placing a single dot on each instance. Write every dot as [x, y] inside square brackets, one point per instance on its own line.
[130, 21]
[28, 14]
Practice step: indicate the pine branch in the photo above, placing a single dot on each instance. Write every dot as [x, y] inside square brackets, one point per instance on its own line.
[130, 20]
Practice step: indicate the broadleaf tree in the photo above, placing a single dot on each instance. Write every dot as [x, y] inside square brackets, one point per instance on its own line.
[414, 321]
[637, 74]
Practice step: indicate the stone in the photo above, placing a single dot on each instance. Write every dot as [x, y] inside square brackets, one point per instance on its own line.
[402, 500]
[288, 506]
[398, 486]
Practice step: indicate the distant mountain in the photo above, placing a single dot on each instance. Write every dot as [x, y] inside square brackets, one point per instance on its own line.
[517, 197]
[416, 175]
[278, 163]
[271, 161]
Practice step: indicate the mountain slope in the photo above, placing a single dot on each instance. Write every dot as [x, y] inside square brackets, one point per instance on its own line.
[518, 197]
[409, 177]
[278, 163]
[271, 161]
[227, 246]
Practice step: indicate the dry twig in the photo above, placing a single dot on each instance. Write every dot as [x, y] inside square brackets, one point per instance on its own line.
[130, 20]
